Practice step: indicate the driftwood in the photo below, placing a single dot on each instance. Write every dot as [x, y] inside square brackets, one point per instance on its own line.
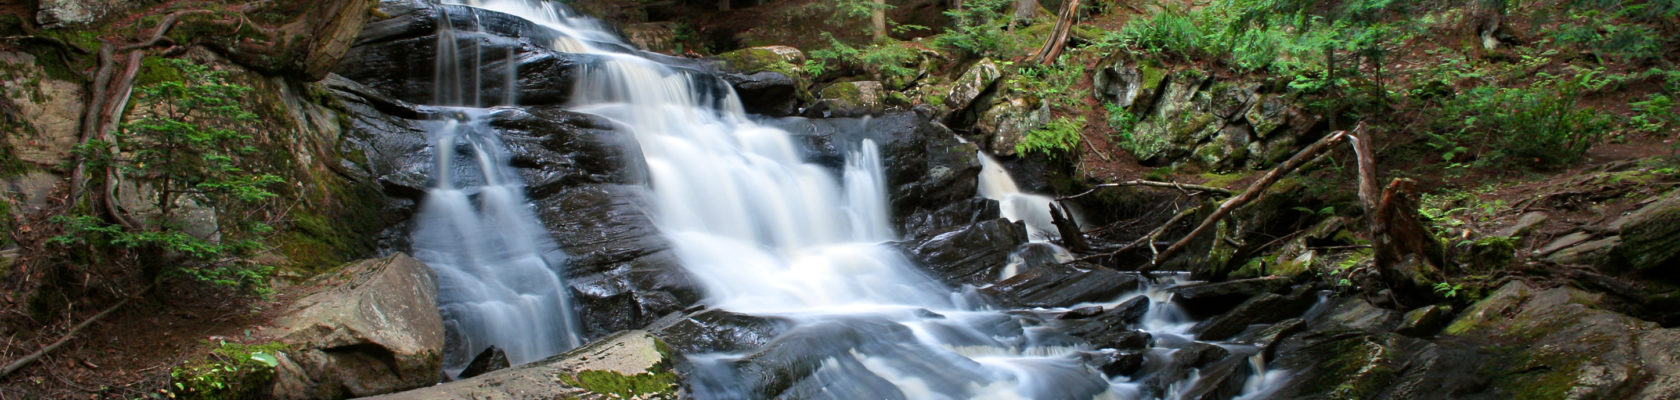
[1148, 238]
[1072, 237]
[1140, 182]
[1254, 191]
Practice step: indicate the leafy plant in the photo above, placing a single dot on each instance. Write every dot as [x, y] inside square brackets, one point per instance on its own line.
[976, 28]
[1059, 137]
[230, 371]
[1448, 290]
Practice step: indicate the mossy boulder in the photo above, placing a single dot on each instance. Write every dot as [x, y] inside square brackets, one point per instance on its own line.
[1003, 126]
[1557, 344]
[849, 99]
[974, 83]
[625, 365]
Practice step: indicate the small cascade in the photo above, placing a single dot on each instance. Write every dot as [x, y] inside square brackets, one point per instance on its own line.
[1031, 209]
[764, 232]
[499, 272]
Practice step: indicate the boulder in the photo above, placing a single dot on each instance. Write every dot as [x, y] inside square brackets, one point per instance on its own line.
[1059, 285]
[849, 99]
[373, 328]
[953, 215]
[1651, 236]
[973, 255]
[972, 86]
[1116, 363]
[630, 364]
[1208, 298]
[1425, 321]
[1109, 328]
[1220, 381]
[1008, 122]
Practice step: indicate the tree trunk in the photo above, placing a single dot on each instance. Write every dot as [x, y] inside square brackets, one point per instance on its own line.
[878, 20]
[1058, 37]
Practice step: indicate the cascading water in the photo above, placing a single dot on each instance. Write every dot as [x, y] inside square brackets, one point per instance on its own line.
[1031, 209]
[769, 234]
[498, 269]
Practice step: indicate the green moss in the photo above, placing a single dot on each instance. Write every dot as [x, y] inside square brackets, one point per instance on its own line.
[230, 371]
[155, 70]
[644, 385]
[1357, 367]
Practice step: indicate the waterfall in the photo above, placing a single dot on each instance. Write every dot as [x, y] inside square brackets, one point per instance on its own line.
[762, 230]
[1031, 209]
[499, 278]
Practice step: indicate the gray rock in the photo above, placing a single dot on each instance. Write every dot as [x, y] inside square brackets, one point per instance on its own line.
[1595, 252]
[491, 359]
[51, 110]
[1525, 224]
[374, 329]
[59, 13]
[712, 331]
[1008, 122]
[1650, 235]
[1561, 243]
[973, 255]
[625, 356]
[973, 83]
[1425, 321]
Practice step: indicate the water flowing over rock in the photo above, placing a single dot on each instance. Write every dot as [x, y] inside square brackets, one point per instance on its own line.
[373, 329]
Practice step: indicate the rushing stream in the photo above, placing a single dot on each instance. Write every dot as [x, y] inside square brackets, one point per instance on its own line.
[764, 231]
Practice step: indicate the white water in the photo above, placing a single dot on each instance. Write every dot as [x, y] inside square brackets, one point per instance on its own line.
[1031, 209]
[769, 234]
[498, 270]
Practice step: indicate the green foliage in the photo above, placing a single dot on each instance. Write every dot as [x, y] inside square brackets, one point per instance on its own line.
[1541, 125]
[1655, 114]
[976, 28]
[1052, 83]
[1122, 121]
[887, 61]
[230, 371]
[186, 144]
[1057, 138]
[623, 386]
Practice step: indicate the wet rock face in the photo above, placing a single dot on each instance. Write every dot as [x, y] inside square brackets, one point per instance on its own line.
[1059, 285]
[1205, 299]
[973, 255]
[1651, 237]
[849, 99]
[397, 55]
[718, 331]
[768, 79]
[374, 329]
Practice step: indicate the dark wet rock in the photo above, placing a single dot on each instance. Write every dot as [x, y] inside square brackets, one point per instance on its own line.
[713, 330]
[1036, 255]
[554, 148]
[373, 329]
[1425, 321]
[1267, 339]
[1353, 313]
[1220, 381]
[1189, 359]
[1204, 299]
[1116, 363]
[635, 358]
[397, 55]
[1109, 328]
[1081, 313]
[1358, 364]
[973, 255]
[768, 79]
[1130, 311]
[1262, 309]
[961, 213]
[622, 271]
[800, 353]
[388, 135]
[491, 359]
[1058, 285]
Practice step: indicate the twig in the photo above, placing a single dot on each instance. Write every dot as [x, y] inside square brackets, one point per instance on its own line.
[1254, 191]
[1139, 182]
[32, 357]
[1147, 238]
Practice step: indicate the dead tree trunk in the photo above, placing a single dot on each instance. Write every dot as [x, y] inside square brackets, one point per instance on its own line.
[1058, 37]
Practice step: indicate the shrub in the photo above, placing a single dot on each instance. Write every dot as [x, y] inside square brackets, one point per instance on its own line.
[1541, 126]
[231, 371]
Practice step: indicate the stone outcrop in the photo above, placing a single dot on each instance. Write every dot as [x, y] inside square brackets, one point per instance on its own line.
[770, 79]
[630, 364]
[373, 328]
[849, 99]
